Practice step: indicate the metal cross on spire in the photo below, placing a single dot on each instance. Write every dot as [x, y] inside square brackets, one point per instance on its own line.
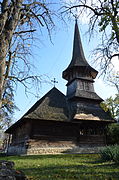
[54, 81]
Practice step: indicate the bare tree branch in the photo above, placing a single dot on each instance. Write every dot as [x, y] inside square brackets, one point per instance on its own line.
[103, 17]
[18, 20]
[28, 31]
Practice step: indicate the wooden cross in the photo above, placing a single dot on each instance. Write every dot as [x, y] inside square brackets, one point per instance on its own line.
[54, 81]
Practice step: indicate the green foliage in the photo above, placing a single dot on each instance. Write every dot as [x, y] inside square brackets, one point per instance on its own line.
[112, 105]
[113, 133]
[65, 166]
[110, 153]
[109, 17]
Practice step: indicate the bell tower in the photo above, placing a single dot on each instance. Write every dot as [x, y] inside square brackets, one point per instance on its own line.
[81, 96]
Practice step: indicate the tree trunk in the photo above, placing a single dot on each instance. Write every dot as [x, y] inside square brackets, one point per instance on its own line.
[9, 19]
[3, 51]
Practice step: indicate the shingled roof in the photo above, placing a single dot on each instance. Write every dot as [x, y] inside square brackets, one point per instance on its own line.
[52, 106]
[92, 112]
[87, 95]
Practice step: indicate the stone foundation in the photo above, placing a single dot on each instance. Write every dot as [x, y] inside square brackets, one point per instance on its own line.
[67, 150]
[50, 150]
[40, 147]
[54, 146]
[53, 150]
[84, 150]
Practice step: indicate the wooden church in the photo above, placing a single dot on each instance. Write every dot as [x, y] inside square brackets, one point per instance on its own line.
[56, 122]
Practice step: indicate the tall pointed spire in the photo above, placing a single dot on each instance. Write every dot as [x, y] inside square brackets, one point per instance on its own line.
[78, 61]
[78, 58]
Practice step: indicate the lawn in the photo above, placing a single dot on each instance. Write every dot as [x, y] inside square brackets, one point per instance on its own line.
[65, 167]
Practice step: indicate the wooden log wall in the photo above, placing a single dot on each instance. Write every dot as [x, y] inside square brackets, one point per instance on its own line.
[21, 133]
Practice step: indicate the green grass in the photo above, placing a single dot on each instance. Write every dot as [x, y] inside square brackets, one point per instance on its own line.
[65, 167]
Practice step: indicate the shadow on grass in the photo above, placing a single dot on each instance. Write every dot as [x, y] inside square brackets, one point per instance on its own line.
[70, 172]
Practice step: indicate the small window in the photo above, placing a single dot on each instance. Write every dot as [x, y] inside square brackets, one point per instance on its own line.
[86, 86]
[81, 85]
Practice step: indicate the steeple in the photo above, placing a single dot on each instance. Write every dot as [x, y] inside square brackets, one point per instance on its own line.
[78, 57]
[78, 62]
[79, 74]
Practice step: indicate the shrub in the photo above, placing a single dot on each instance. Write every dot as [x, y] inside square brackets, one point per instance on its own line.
[113, 134]
[116, 154]
[106, 153]
[110, 153]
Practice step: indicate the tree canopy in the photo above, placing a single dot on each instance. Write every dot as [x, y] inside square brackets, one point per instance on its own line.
[112, 105]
